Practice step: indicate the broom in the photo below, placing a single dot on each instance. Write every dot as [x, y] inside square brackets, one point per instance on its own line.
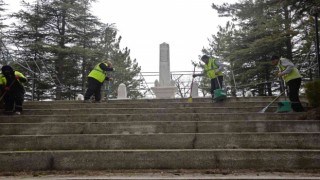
[265, 108]
[190, 97]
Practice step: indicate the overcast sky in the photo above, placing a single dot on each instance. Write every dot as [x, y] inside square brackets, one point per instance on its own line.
[185, 25]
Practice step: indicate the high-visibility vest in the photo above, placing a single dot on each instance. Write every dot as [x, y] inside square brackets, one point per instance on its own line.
[211, 68]
[294, 74]
[3, 80]
[97, 73]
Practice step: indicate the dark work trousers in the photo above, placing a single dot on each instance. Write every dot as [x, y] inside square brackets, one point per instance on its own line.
[215, 84]
[94, 88]
[294, 86]
[13, 99]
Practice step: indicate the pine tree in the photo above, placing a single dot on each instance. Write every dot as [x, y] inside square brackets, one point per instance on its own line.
[62, 35]
[263, 28]
[28, 36]
[60, 40]
[3, 51]
[2, 16]
[126, 68]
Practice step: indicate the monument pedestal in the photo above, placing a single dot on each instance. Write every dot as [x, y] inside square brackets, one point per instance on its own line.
[163, 92]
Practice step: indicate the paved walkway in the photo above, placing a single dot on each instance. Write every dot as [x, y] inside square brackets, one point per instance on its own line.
[160, 175]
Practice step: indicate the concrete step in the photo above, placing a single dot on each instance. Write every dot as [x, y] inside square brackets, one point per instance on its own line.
[106, 111]
[159, 127]
[81, 117]
[257, 159]
[161, 141]
[163, 174]
[75, 105]
[183, 100]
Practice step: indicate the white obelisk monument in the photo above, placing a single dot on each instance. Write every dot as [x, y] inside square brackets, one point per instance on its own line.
[165, 87]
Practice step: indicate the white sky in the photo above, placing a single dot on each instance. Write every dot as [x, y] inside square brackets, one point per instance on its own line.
[185, 25]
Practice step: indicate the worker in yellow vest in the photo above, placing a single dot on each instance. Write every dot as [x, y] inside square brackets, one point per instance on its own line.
[290, 74]
[95, 80]
[12, 90]
[213, 69]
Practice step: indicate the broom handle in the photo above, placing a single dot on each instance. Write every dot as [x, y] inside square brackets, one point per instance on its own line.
[5, 92]
[275, 99]
[194, 69]
[218, 82]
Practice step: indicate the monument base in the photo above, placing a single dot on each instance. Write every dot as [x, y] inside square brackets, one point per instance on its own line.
[164, 92]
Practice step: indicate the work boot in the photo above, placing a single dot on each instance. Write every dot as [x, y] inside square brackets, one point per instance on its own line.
[17, 113]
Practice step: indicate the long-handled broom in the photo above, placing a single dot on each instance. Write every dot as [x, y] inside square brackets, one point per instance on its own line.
[265, 108]
[108, 90]
[190, 97]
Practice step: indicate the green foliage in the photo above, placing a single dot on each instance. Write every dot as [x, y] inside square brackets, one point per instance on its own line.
[126, 69]
[313, 93]
[60, 41]
[258, 30]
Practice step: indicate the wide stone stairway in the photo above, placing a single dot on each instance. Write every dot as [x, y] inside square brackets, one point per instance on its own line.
[158, 134]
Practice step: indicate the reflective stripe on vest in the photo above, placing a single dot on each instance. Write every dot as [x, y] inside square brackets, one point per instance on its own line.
[97, 73]
[294, 74]
[210, 69]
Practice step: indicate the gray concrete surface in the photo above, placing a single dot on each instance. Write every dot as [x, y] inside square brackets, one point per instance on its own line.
[138, 134]
[169, 117]
[148, 127]
[157, 175]
[272, 159]
[306, 140]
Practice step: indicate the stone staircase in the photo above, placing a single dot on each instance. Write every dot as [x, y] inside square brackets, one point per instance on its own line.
[158, 134]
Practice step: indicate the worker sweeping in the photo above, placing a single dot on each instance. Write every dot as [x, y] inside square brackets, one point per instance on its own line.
[95, 80]
[213, 69]
[11, 85]
[290, 74]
